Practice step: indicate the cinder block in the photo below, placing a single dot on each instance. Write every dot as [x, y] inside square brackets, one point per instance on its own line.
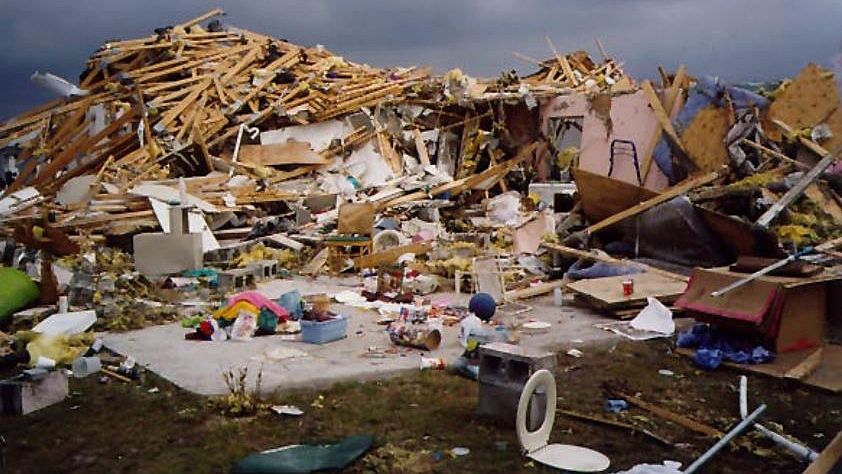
[235, 279]
[503, 372]
[264, 269]
[21, 396]
[163, 254]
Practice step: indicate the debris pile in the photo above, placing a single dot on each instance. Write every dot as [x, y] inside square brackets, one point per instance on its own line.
[219, 157]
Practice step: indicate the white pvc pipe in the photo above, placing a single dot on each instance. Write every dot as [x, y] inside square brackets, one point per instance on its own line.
[724, 441]
[798, 449]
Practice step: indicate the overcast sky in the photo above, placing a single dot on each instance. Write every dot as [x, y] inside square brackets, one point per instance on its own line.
[738, 40]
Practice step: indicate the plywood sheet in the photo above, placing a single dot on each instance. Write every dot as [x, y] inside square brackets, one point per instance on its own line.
[809, 100]
[603, 197]
[704, 138]
[607, 293]
[288, 153]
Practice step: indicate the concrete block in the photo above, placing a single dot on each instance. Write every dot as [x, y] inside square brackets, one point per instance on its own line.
[264, 269]
[235, 279]
[503, 372]
[162, 254]
[22, 396]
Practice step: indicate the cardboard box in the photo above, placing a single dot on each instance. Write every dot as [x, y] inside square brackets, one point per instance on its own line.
[788, 314]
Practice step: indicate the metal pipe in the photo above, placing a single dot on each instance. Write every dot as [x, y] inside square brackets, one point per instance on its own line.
[725, 440]
[798, 449]
[253, 131]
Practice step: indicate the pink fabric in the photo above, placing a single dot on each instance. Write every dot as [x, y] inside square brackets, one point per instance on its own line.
[835, 168]
[258, 299]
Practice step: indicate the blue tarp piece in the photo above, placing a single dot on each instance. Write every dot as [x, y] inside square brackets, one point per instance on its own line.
[713, 347]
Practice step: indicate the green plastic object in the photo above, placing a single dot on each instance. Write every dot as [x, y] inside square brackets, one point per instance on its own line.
[17, 291]
[304, 458]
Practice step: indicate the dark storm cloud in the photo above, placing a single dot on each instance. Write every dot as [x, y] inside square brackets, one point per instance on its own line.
[738, 40]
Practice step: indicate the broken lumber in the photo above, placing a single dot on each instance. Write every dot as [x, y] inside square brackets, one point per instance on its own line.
[828, 158]
[676, 418]
[668, 194]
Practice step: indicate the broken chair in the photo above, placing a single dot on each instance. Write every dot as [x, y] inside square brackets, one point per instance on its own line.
[353, 239]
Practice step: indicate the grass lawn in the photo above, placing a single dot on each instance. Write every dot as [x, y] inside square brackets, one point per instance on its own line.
[118, 427]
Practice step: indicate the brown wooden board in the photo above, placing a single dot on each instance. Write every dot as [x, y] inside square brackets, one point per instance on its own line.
[391, 255]
[827, 375]
[607, 293]
[289, 153]
[602, 197]
[809, 100]
[704, 138]
[829, 458]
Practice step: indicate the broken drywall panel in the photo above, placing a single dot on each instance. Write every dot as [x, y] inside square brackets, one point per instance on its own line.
[368, 167]
[75, 190]
[169, 194]
[196, 223]
[13, 202]
[628, 117]
[528, 237]
[318, 135]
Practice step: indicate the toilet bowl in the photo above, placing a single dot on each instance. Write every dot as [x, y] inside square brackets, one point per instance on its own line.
[535, 443]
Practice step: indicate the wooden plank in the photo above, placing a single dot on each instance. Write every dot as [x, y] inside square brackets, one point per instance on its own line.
[175, 112]
[562, 61]
[676, 418]
[315, 265]
[809, 177]
[421, 147]
[458, 186]
[664, 120]
[806, 366]
[607, 293]
[828, 459]
[539, 289]
[615, 424]
[391, 255]
[289, 153]
[204, 17]
[69, 154]
[672, 96]
[668, 194]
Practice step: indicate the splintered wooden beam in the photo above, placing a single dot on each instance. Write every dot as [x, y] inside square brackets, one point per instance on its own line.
[175, 112]
[668, 194]
[199, 19]
[809, 177]
[662, 116]
[65, 157]
[562, 61]
[676, 418]
[669, 104]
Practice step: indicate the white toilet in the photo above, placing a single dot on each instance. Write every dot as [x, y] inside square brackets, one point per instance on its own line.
[560, 456]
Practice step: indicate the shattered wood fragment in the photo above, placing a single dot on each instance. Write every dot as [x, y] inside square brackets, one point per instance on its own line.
[676, 418]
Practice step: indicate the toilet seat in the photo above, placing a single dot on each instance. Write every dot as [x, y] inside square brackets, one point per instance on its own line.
[534, 443]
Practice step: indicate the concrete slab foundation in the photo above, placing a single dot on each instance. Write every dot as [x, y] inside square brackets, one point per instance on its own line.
[197, 366]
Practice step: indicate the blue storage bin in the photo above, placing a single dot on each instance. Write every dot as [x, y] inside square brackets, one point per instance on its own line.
[320, 332]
